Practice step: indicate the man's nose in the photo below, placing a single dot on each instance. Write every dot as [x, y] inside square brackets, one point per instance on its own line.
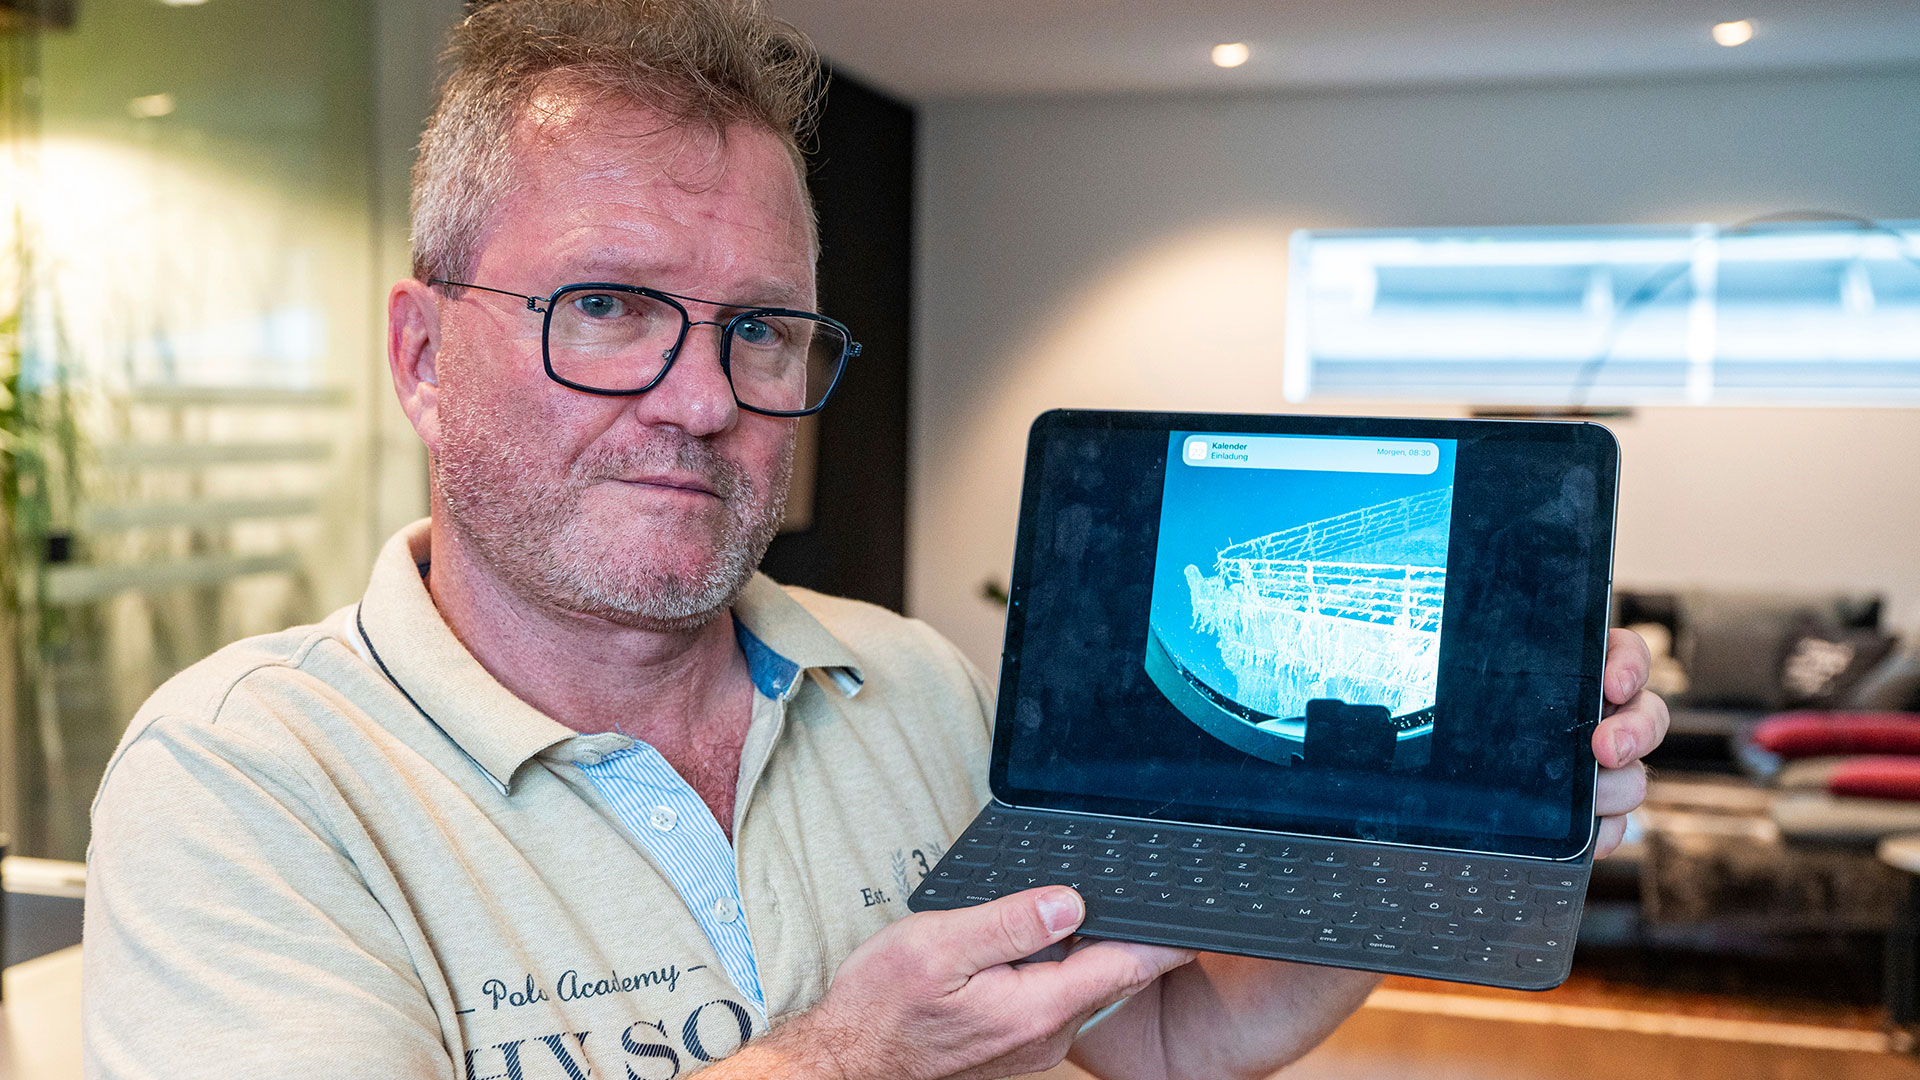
[695, 395]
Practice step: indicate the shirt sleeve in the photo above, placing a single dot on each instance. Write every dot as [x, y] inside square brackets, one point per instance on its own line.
[227, 935]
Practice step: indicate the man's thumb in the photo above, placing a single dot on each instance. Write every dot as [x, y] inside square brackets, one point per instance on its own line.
[1015, 927]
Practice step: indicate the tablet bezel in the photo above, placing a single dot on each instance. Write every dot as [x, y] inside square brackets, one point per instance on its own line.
[1597, 442]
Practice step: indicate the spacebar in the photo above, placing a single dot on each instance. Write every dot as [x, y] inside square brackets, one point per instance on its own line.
[1186, 931]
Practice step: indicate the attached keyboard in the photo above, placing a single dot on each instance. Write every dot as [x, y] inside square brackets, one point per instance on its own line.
[1481, 919]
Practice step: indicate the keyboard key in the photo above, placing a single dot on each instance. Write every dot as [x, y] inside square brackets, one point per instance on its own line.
[1488, 956]
[1160, 896]
[1067, 847]
[1473, 890]
[1118, 892]
[1115, 852]
[1196, 842]
[1428, 889]
[1387, 902]
[1195, 861]
[1379, 860]
[1507, 875]
[1022, 879]
[1510, 894]
[1517, 916]
[1380, 881]
[1439, 909]
[1381, 944]
[1467, 871]
[992, 875]
[974, 894]
[1238, 867]
[1335, 937]
[967, 856]
[1154, 838]
[1152, 875]
[1208, 902]
[1437, 951]
[1554, 879]
[1292, 890]
[1199, 880]
[1031, 860]
[1068, 829]
[1449, 930]
[991, 819]
[1477, 912]
[1336, 896]
[1301, 912]
[1423, 867]
[1108, 871]
[1538, 961]
[1399, 924]
[1017, 843]
[1525, 937]
[1287, 853]
[1326, 875]
[1062, 867]
[1111, 834]
[951, 875]
[1027, 825]
[1289, 873]
[1246, 886]
[1241, 849]
[1329, 857]
[1256, 907]
[1153, 858]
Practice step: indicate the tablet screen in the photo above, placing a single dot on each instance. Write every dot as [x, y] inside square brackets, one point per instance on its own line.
[1366, 629]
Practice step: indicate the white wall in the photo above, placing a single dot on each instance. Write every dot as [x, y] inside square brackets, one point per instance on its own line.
[1131, 252]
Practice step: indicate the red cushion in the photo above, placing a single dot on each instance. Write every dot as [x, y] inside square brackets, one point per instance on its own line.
[1810, 734]
[1878, 778]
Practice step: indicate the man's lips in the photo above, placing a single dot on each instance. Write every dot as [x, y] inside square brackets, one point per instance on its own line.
[673, 481]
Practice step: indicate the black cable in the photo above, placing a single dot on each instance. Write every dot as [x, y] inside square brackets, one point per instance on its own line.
[1657, 282]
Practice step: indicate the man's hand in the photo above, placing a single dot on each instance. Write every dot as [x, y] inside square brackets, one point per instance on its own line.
[945, 994]
[1636, 721]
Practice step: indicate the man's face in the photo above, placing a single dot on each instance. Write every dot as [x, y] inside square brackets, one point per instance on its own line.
[653, 510]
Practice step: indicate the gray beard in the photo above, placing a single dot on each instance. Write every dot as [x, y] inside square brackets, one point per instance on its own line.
[532, 534]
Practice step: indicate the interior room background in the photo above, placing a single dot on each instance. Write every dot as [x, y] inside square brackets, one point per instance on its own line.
[1131, 252]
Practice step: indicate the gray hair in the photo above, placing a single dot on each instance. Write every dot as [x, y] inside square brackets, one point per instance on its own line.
[697, 63]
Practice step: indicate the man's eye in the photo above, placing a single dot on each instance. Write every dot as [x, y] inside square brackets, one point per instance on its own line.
[600, 306]
[755, 332]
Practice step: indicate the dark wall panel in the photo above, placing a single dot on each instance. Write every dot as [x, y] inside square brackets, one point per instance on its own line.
[861, 172]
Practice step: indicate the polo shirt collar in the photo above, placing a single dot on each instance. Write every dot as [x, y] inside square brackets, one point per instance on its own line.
[401, 632]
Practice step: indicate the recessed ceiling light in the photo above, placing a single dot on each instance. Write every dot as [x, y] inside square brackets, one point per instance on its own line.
[1733, 33]
[150, 107]
[183, 3]
[1231, 55]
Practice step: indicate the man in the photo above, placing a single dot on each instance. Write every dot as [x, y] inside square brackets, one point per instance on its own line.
[571, 792]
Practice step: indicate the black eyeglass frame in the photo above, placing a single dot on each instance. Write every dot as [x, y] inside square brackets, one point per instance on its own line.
[687, 322]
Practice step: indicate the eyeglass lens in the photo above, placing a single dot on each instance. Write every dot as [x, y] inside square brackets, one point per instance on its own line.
[620, 341]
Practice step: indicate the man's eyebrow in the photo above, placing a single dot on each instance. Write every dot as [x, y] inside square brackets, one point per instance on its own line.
[762, 292]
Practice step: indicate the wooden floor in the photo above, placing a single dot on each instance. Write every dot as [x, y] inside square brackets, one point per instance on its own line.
[1588, 1028]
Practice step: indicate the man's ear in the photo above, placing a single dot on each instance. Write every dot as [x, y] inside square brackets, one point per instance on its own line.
[413, 356]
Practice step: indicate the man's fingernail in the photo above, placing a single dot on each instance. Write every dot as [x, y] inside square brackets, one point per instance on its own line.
[1623, 747]
[1060, 909]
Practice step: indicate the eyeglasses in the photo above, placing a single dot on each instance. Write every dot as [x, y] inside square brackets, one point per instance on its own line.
[620, 340]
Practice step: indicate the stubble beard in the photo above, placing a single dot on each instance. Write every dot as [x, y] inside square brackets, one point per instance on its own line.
[542, 543]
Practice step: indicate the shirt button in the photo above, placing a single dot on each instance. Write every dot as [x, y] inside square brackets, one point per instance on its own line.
[663, 818]
[726, 909]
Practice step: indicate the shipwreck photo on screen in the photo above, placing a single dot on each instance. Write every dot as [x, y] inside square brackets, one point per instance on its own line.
[1297, 594]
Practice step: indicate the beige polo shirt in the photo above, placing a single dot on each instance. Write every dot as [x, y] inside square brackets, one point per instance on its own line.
[345, 851]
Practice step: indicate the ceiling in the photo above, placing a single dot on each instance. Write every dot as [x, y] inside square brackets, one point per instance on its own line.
[932, 49]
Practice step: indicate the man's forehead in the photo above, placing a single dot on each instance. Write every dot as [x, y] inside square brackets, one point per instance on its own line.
[583, 161]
